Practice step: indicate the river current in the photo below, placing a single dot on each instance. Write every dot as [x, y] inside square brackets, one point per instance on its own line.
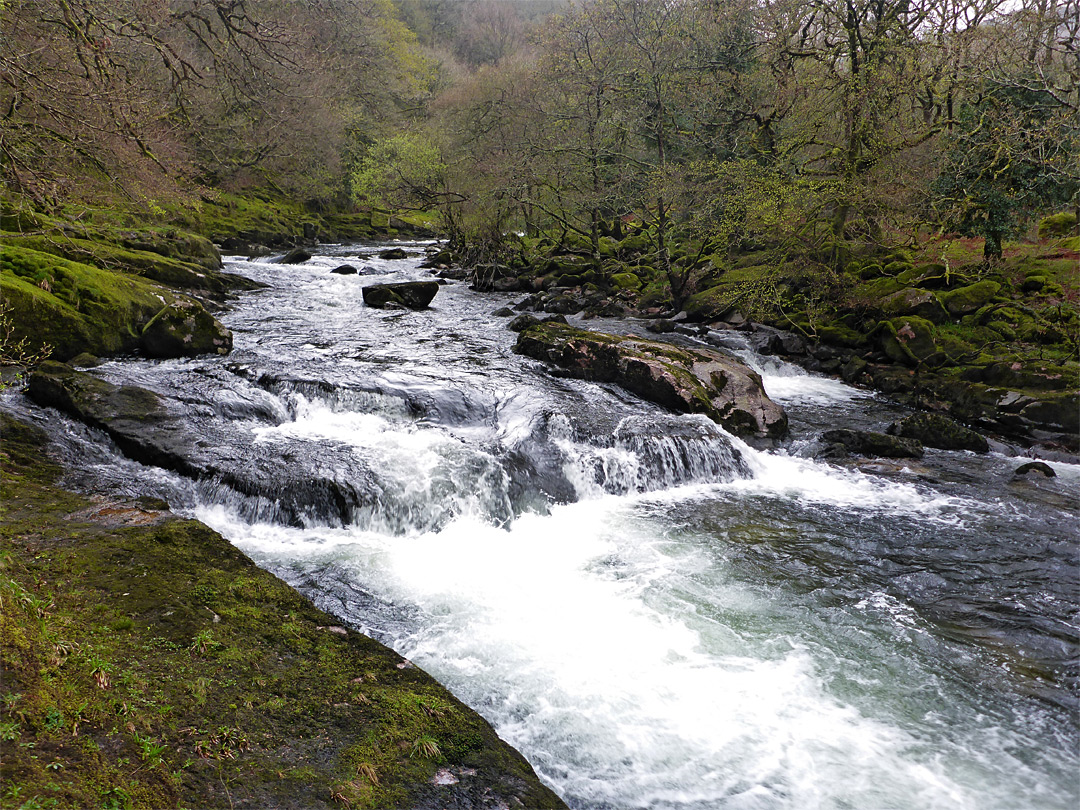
[654, 613]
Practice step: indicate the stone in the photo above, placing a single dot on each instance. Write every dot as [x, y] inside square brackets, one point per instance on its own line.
[85, 360]
[345, 270]
[522, 322]
[503, 312]
[185, 329]
[911, 301]
[683, 380]
[410, 294]
[938, 430]
[295, 256]
[393, 253]
[1040, 467]
[869, 443]
[971, 298]
[908, 340]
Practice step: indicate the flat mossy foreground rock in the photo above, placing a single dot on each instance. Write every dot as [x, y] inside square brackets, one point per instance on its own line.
[686, 381]
[147, 662]
[409, 294]
[185, 329]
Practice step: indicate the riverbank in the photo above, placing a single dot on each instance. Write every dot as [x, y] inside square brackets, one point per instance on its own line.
[149, 663]
[932, 326]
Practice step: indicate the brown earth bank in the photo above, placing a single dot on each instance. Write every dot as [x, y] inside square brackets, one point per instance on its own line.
[147, 662]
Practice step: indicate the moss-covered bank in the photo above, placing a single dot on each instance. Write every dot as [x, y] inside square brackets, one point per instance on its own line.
[146, 662]
[933, 324]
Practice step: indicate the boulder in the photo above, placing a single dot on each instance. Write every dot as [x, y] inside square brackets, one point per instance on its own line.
[687, 381]
[393, 253]
[1039, 467]
[185, 329]
[345, 270]
[938, 430]
[908, 340]
[503, 312]
[410, 294]
[868, 443]
[911, 301]
[971, 298]
[295, 256]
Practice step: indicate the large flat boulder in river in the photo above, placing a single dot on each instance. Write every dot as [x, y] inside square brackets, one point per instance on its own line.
[684, 380]
[410, 294]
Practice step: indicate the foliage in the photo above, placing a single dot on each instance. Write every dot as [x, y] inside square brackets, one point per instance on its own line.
[1014, 154]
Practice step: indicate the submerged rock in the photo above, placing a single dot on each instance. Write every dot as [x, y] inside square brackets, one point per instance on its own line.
[345, 270]
[697, 381]
[411, 294]
[869, 443]
[1040, 467]
[185, 329]
[937, 430]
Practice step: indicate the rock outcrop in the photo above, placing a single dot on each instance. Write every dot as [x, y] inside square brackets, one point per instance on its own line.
[687, 381]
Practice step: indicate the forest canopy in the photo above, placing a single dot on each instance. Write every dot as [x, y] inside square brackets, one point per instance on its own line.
[818, 119]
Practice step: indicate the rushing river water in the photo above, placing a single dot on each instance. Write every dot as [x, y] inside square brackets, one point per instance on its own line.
[655, 614]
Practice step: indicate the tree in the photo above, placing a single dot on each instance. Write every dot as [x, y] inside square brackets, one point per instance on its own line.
[1013, 154]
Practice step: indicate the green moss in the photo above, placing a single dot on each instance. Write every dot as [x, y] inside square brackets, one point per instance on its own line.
[1057, 225]
[170, 271]
[75, 307]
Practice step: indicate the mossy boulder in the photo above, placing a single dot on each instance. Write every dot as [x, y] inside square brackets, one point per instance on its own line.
[1057, 225]
[908, 340]
[185, 329]
[922, 303]
[686, 381]
[75, 307]
[157, 666]
[967, 300]
[938, 430]
[837, 334]
[625, 281]
[869, 443]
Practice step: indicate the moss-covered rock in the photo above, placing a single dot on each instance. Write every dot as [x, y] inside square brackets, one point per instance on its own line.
[938, 430]
[869, 443]
[185, 329]
[909, 340]
[922, 303]
[971, 298]
[1057, 225]
[625, 281]
[686, 381]
[75, 307]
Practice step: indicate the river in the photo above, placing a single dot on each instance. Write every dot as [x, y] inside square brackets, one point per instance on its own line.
[655, 614]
